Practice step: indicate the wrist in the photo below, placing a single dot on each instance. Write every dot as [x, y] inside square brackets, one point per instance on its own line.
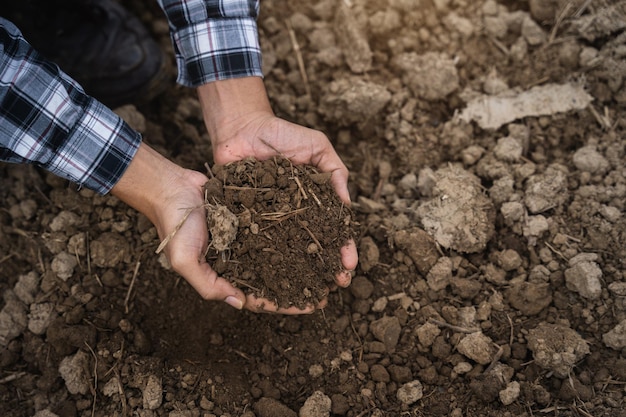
[146, 181]
[228, 103]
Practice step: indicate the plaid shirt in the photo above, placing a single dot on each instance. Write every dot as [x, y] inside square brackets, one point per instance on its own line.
[214, 39]
[46, 118]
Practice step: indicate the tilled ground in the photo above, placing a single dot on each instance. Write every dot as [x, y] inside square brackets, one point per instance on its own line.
[492, 247]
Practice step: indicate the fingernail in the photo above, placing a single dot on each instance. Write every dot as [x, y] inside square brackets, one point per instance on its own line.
[234, 302]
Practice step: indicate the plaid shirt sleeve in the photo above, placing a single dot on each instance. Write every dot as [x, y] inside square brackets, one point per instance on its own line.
[46, 119]
[214, 39]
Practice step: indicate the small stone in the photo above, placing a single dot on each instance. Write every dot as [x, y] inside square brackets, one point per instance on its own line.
[472, 154]
[529, 297]
[535, 227]
[75, 372]
[317, 405]
[512, 212]
[45, 413]
[111, 388]
[152, 393]
[508, 149]
[616, 337]
[40, 317]
[367, 205]
[269, 407]
[618, 288]
[588, 159]
[387, 330]
[546, 191]
[63, 265]
[361, 287]
[478, 347]
[13, 318]
[510, 394]
[410, 392]
[462, 368]
[316, 370]
[63, 221]
[556, 348]
[612, 214]
[427, 333]
[509, 260]
[206, 404]
[431, 76]
[379, 373]
[340, 404]
[380, 304]
[585, 279]
[440, 274]
[532, 32]
[26, 287]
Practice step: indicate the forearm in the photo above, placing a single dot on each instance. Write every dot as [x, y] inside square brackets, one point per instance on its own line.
[46, 119]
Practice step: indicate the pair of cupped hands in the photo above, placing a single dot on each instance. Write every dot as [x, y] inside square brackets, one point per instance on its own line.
[241, 124]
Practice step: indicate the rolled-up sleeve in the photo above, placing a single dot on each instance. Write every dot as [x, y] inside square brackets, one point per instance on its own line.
[214, 40]
[46, 119]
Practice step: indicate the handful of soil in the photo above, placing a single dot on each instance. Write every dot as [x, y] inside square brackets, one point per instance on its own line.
[276, 229]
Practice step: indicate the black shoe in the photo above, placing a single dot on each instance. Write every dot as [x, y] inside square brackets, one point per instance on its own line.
[97, 42]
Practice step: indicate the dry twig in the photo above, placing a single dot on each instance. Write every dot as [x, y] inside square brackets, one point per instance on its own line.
[296, 49]
[453, 327]
[94, 389]
[176, 229]
[130, 287]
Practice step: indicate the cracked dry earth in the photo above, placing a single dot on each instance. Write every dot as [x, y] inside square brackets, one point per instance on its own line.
[485, 141]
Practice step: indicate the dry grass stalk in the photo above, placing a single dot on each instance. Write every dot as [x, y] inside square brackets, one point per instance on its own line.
[296, 49]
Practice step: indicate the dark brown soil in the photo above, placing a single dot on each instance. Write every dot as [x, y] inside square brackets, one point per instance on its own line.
[476, 246]
[291, 225]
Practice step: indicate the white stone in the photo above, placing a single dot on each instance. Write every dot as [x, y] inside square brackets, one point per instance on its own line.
[616, 338]
[317, 405]
[316, 370]
[532, 32]
[63, 265]
[588, 159]
[478, 347]
[510, 393]
[440, 274]
[508, 149]
[152, 393]
[410, 392]
[75, 372]
[40, 317]
[427, 333]
[26, 287]
[13, 318]
[585, 279]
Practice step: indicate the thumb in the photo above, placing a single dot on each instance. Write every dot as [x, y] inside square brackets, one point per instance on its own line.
[210, 286]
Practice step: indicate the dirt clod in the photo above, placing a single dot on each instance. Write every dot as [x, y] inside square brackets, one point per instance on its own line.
[277, 229]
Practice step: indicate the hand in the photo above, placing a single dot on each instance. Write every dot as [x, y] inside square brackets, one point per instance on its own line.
[241, 124]
[165, 193]
[172, 198]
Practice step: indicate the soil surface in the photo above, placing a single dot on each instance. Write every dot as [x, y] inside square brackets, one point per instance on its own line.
[485, 141]
[276, 229]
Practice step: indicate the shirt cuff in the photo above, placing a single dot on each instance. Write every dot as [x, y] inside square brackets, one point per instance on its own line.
[98, 150]
[217, 49]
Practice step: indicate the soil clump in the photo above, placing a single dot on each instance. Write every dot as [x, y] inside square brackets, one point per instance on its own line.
[276, 229]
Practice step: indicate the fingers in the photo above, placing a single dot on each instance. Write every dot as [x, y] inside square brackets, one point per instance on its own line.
[263, 305]
[211, 287]
[349, 255]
